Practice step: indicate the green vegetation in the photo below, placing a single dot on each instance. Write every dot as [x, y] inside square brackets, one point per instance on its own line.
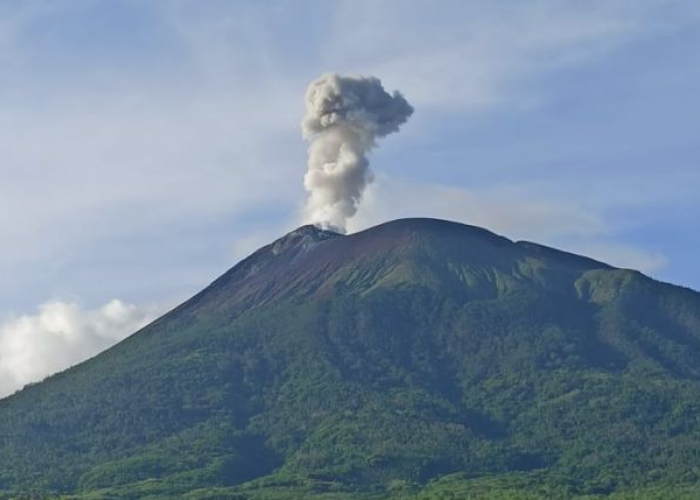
[418, 360]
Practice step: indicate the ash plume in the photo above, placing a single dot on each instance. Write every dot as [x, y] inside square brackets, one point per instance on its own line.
[344, 118]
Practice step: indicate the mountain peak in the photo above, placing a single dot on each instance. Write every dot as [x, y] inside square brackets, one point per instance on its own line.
[408, 351]
[304, 237]
[310, 262]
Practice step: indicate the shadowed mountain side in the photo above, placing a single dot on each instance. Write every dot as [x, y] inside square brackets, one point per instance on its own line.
[399, 354]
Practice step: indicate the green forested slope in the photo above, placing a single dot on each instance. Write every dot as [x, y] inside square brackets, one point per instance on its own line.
[418, 359]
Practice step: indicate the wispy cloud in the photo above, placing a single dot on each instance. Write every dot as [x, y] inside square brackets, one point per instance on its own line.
[470, 55]
[103, 154]
[524, 215]
[624, 256]
[111, 143]
[513, 211]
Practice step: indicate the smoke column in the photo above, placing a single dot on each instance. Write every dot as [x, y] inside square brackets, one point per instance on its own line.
[344, 118]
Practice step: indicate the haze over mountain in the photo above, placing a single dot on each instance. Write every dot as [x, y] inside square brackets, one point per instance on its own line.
[420, 358]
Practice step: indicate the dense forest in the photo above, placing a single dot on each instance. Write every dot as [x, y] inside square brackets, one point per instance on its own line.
[416, 360]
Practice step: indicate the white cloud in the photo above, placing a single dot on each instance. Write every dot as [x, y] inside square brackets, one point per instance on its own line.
[62, 334]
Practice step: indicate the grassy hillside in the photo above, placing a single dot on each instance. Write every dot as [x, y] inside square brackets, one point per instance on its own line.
[419, 359]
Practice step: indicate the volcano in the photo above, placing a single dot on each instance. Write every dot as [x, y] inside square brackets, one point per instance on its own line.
[417, 359]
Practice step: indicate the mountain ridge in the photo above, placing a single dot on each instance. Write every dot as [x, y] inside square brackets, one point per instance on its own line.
[402, 354]
[389, 236]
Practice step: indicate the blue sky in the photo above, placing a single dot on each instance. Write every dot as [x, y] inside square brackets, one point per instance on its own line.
[147, 146]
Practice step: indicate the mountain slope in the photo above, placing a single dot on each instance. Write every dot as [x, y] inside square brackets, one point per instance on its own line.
[376, 361]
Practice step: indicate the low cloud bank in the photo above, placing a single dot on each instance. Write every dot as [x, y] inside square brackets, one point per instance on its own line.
[62, 334]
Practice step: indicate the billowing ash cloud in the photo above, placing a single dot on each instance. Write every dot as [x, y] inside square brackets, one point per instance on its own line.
[344, 118]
